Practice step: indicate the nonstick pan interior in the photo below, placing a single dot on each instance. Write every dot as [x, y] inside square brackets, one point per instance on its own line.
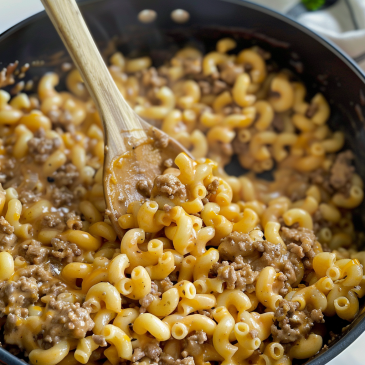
[114, 25]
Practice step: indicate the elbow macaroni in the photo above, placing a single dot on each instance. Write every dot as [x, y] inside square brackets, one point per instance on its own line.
[227, 257]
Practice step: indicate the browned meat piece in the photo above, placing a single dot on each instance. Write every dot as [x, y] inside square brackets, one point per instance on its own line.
[205, 87]
[302, 237]
[211, 85]
[137, 354]
[62, 196]
[227, 274]
[312, 110]
[47, 280]
[342, 172]
[7, 241]
[247, 258]
[218, 87]
[66, 175]
[149, 298]
[240, 147]
[27, 197]
[7, 236]
[193, 344]
[278, 123]
[171, 186]
[153, 351]
[212, 189]
[291, 324]
[192, 66]
[235, 244]
[145, 187]
[7, 74]
[40, 147]
[5, 226]
[317, 316]
[65, 321]
[166, 284]
[100, 340]
[33, 252]
[17, 294]
[230, 72]
[73, 221]
[161, 140]
[168, 163]
[232, 109]
[63, 250]
[169, 360]
[53, 220]
[151, 78]
[237, 274]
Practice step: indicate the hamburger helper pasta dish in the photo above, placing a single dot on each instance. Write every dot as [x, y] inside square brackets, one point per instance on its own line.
[211, 268]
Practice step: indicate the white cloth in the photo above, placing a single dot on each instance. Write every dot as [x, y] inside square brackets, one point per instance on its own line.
[343, 23]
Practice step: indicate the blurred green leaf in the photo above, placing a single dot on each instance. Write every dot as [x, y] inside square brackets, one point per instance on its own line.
[313, 4]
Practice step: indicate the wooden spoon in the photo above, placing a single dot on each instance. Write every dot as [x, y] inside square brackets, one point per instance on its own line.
[131, 154]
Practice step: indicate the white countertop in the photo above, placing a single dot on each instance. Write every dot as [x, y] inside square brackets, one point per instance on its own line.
[14, 11]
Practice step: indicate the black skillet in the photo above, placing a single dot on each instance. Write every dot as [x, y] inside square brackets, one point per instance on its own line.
[320, 64]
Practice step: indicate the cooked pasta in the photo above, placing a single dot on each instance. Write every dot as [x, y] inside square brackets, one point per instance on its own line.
[210, 268]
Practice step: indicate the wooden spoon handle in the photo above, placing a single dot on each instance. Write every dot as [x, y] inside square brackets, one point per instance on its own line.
[115, 112]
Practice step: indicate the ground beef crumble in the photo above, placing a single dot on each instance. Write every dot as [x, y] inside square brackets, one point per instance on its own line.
[211, 190]
[303, 238]
[65, 320]
[168, 163]
[46, 278]
[246, 258]
[64, 250]
[137, 354]
[5, 226]
[169, 360]
[66, 175]
[33, 251]
[291, 324]
[152, 350]
[211, 86]
[319, 222]
[53, 220]
[100, 340]
[18, 294]
[192, 66]
[8, 171]
[27, 197]
[73, 221]
[149, 298]
[7, 236]
[166, 284]
[230, 71]
[171, 186]
[61, 118]
[237, 274]
[235, 244]
[339, 178]
[40, 147]
[342, 172]
[145, 187]
[161, 140]
[192, 344]
[151, 78]
[61, 196]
